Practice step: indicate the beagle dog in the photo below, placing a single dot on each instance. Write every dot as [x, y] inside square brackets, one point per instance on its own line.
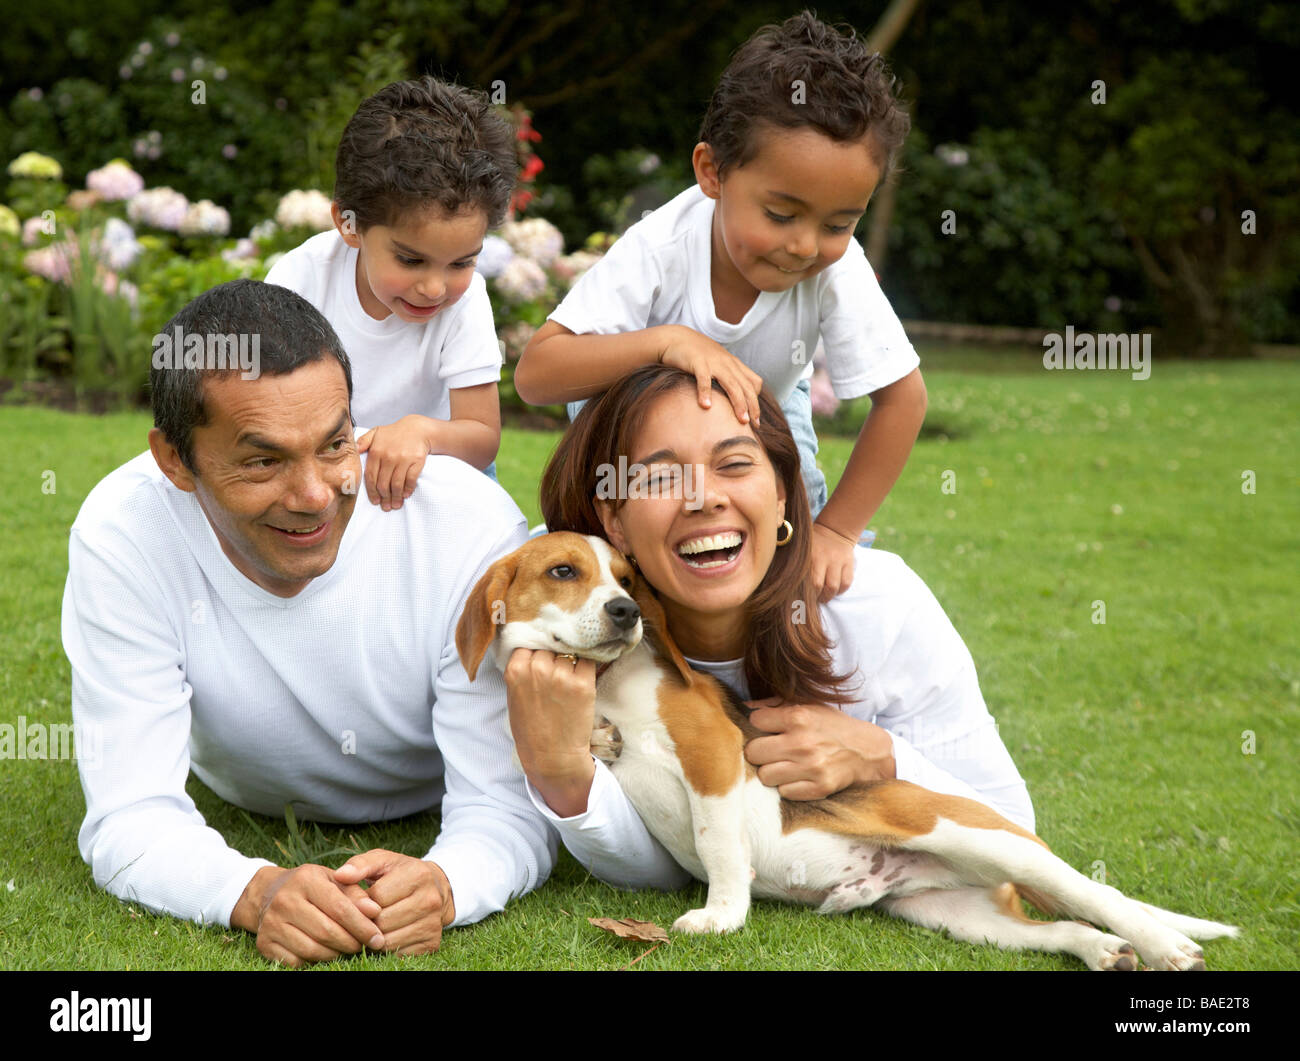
[942, 861]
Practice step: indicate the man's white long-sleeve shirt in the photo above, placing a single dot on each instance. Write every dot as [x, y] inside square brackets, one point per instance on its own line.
[347, 700]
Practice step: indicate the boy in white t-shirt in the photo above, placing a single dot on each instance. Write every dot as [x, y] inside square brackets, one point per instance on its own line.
[737, 278]
[424, 169]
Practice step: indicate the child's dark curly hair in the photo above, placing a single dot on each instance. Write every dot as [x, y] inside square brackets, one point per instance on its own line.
[416, 144]
[804, 73]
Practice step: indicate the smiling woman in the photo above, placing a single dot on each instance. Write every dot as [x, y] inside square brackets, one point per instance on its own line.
[871, 685]
[710, 550]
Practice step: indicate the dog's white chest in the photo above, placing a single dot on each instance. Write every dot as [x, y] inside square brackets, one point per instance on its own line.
[648, 769]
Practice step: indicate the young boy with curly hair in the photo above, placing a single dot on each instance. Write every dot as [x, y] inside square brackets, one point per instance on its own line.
[424, 169]
[738, 277]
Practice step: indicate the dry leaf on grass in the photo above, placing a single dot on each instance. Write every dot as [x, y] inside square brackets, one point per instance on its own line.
[631, 929]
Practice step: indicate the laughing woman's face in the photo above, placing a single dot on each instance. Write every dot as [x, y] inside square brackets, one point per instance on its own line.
[703, 511]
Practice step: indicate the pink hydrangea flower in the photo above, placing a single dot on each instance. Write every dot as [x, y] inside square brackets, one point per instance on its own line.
[117, 246]
[244, 250]
[163, 208]
[115, 182]
[522, 280]
[34, 228]
[205, 218]
[51, 262]
[113, 285]
[535, 238]
[83, 199]
[516, 336]
[824, 402]
[494, 256]
[305, 209]
[572, 266]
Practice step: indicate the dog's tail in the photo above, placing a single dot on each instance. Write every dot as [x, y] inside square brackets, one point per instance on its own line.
[1040, 902]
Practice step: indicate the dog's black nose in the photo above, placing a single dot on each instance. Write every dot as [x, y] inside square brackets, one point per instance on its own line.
[624, 612]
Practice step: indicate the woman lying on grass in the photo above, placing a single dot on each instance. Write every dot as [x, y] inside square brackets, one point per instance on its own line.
[874, 684]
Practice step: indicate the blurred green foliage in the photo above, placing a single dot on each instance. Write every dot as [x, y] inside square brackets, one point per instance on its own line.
[1019, 244]
[1066, 207]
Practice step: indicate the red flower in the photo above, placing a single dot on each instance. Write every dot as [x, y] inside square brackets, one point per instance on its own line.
[526, 130]
[532, 167]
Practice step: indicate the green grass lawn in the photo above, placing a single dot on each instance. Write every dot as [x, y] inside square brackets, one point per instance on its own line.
[1159, 746]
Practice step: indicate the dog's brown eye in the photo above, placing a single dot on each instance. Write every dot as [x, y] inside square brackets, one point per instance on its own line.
[625, 582]
[562, 571]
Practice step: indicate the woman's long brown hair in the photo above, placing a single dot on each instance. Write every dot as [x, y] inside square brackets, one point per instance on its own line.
[788, 653]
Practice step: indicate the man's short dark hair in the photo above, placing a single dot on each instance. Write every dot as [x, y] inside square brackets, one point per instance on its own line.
[290, 332]
[422, 143]
[804, 73]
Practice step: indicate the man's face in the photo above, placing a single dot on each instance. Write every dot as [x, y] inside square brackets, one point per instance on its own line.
[789, 212]
[277, 472]
[418, 267]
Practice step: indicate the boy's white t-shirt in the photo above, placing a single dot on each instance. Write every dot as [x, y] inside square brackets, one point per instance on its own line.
[658, 272]
[398, 368]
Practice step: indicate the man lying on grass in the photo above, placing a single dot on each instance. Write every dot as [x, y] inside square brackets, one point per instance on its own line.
[233, 609]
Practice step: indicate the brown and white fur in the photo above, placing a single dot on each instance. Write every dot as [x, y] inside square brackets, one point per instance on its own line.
[941, 861]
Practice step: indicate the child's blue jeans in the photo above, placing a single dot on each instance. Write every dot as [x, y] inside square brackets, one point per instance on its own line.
[798, 414]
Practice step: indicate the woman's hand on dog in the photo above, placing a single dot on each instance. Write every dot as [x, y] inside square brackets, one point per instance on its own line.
[551, 702]
[812, 750]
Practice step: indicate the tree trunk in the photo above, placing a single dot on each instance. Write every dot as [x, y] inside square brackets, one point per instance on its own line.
[883, 36]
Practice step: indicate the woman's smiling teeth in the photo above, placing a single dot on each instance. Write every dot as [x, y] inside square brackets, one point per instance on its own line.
[711, 550]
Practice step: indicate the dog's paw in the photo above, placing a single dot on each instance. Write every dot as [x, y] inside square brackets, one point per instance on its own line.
[1169, 951]
[606, 741]
[709, 919]
[1111, 954]
[1186, 957]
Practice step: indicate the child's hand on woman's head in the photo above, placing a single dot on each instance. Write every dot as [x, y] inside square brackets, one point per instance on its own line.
[397, 455]
[707, 360]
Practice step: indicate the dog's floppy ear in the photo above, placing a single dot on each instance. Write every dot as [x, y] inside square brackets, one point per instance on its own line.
[655, 625]
[484, 614]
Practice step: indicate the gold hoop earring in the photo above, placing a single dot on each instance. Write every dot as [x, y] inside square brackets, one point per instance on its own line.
[789, 533]
[632, 560]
